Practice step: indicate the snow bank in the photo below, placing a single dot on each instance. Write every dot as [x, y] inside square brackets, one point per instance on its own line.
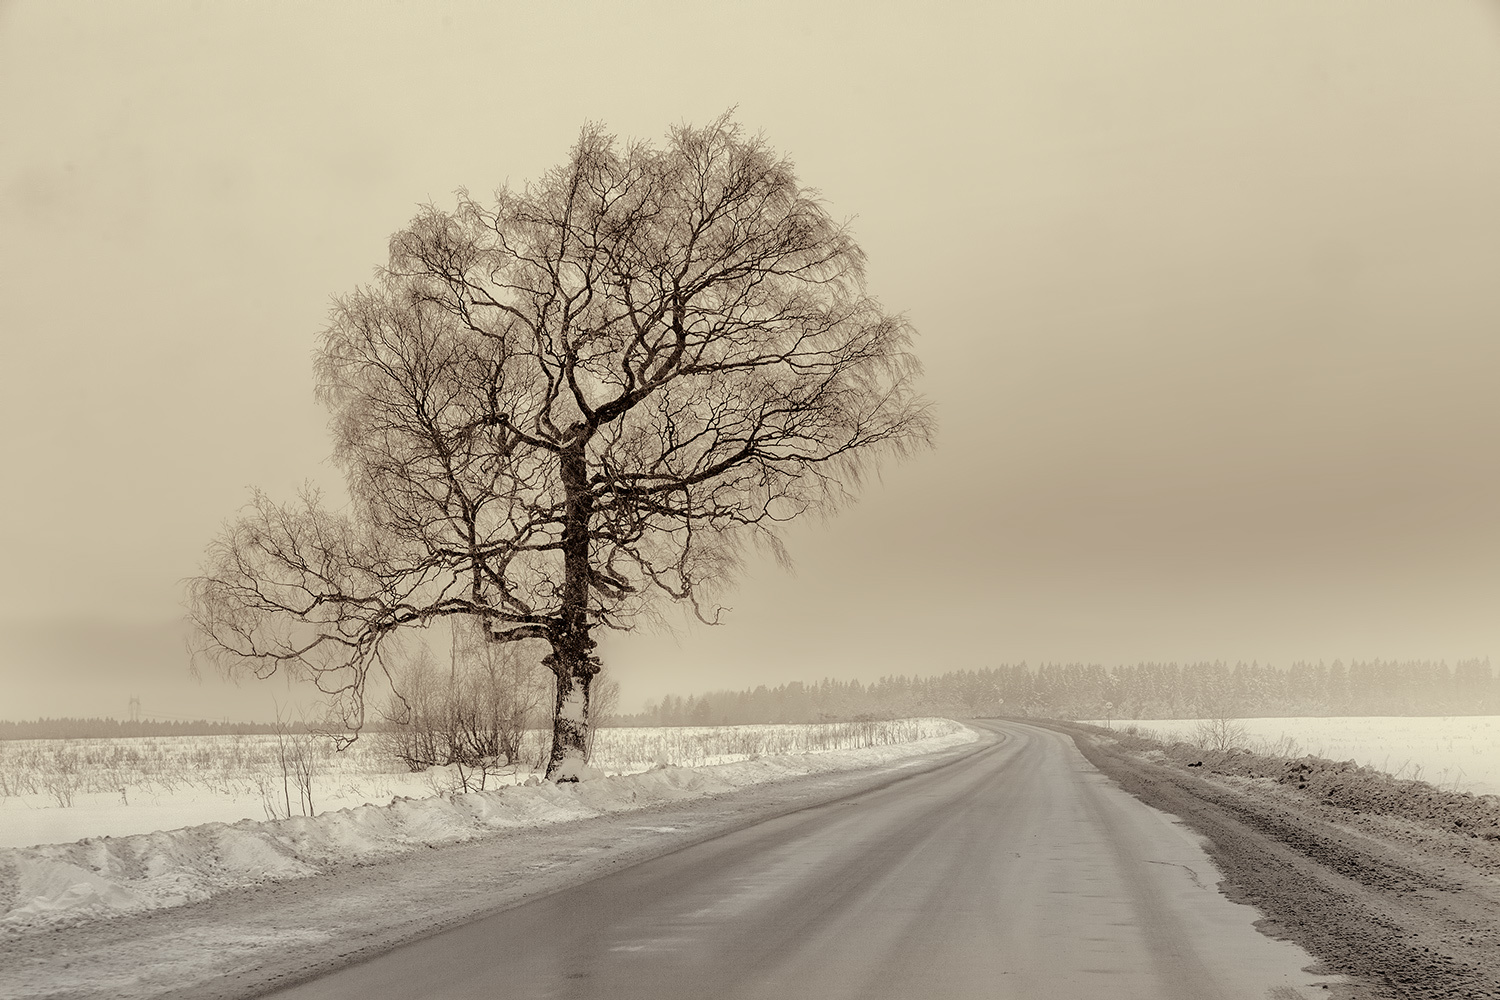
[59, 791]
[61, 884]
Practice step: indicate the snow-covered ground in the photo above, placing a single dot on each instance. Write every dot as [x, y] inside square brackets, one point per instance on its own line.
[56, 791]
[113, 872]
[1461, 753]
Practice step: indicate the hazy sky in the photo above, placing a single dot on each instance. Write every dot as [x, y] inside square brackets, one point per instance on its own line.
[1208, 295]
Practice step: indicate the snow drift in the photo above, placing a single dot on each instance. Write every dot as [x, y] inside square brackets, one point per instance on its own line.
[55, 885]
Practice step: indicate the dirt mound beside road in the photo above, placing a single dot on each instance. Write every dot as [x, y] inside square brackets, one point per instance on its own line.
[1375, 877]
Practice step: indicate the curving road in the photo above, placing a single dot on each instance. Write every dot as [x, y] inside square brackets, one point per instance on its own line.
[1015, 871]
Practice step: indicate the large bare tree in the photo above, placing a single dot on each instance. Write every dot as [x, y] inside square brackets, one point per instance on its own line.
[557, 409]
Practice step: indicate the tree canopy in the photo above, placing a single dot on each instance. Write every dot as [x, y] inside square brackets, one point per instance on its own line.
[557, 409]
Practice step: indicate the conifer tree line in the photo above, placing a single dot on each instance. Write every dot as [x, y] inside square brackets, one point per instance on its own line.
[1059, 691]
[1091, 691]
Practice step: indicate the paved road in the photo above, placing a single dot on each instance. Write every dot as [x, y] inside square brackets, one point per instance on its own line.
[1016, 871]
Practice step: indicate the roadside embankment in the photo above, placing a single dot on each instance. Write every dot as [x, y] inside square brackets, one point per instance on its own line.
[55, 885]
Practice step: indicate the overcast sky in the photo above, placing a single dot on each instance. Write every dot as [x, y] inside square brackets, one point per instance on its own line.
[1208, 296]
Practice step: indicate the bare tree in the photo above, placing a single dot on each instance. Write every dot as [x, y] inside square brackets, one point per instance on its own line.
[1221, 732]
[604, 704]
[557, 409]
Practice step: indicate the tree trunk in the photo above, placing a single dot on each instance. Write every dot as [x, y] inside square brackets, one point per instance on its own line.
[570, 726]
[572, 660]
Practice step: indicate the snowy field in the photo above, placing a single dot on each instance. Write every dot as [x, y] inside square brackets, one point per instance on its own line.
[59, 791]
[1459, 753]
[60, 884]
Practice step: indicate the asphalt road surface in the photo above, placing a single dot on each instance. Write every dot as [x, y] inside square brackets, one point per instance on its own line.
[1015, 871]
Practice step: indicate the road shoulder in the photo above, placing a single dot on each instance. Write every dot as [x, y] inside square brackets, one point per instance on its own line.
[1407, 919]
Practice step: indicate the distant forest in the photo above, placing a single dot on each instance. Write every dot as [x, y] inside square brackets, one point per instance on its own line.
[1079, 691]
[82, 729]
[1057, 691]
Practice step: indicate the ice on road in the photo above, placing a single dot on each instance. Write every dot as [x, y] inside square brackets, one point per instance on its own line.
[1016, 871]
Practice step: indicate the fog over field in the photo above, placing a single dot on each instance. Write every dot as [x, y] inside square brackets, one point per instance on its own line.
[900, 380]
[1204, 292]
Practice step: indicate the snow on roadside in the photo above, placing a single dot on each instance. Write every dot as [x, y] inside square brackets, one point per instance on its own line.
[1460, 753]
[62, 884]
[61, 790]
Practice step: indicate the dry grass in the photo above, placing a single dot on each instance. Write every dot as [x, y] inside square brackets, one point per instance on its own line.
[692, 746]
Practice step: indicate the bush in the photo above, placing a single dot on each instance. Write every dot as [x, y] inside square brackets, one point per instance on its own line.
[1220, 733]
[473, 716]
